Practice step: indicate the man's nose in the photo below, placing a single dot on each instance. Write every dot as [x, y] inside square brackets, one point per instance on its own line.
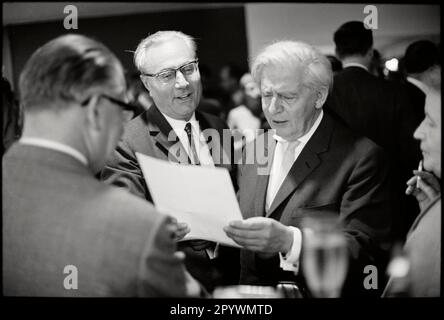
[418, 134]
[274, 105]
[181, 81]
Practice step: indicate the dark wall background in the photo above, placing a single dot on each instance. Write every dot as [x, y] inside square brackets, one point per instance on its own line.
[220, 35]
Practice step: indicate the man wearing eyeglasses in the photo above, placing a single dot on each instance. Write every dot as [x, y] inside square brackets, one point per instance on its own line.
[64, 232]
[172, 129]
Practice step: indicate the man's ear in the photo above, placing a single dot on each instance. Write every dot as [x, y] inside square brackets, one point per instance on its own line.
[321, 96]
[93, 113]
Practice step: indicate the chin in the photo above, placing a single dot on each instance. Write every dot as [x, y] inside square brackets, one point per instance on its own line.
[428, 164]
[282, 133]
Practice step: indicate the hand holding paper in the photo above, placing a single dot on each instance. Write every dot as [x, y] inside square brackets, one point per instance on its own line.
[202, 197]
[182, 229]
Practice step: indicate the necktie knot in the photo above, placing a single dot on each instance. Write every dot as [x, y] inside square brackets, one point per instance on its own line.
[188, 129]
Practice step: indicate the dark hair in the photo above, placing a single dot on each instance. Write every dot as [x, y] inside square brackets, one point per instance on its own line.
[420, 56]
[336, 64]
[352, 38]
[68, 68]
[234, 70]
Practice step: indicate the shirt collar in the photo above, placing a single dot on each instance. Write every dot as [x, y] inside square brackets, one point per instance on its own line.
[306, 137]
[53, 145]
[179, 125]
[355, 64]
[421, 85]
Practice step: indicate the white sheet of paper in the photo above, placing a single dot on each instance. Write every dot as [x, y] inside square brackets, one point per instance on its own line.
[202, 197]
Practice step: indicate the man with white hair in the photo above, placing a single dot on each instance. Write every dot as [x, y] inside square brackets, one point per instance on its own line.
[64, 232]
[173, 130]
[317, 166]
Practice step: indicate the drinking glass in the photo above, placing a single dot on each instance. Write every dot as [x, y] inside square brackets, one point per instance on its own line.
[324, 255]
[246, 292]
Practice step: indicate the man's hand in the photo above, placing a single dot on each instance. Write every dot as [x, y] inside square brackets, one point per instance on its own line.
[261, 234]
[425, 190]
[199, 245]
[180, 229]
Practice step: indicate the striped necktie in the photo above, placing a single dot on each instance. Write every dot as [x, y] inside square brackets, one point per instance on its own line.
[193, 158]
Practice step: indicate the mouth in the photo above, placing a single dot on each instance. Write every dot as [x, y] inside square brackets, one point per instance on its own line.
[184, 97]
[279, 122]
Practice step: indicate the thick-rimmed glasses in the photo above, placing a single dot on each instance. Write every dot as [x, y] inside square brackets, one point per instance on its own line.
[125, 106]
[169, 75]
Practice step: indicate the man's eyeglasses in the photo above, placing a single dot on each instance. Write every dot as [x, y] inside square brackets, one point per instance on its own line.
[168, 75]
[125, 106]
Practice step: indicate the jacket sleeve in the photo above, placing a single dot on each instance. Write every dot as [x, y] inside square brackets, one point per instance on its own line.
[122, 170]
[367, 217]
[162, 272]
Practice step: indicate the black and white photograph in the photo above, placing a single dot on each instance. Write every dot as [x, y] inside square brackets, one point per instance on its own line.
[221, 151]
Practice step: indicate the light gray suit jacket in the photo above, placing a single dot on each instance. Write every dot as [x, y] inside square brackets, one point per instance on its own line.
[56, 214]
[423, 244]
[423, 248]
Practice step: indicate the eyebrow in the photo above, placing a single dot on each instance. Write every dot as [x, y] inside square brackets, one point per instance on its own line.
[280, 92]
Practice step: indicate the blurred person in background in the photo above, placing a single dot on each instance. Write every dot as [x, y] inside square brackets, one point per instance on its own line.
[12, 116]
[209, 102]
[377, 109]
[229, 81]
[376, 65]
[55, 213]
[246, 117]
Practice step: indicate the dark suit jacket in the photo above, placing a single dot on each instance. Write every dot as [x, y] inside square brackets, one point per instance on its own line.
[148, 134]
[55, 214]
[381, 111]
[338, 172]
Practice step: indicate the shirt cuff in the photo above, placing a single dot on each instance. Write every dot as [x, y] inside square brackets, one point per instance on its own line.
[290, 261]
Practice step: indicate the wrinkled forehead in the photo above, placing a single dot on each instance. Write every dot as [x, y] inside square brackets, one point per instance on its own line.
[281, 77]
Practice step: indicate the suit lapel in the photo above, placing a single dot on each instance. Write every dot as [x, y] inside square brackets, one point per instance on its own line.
[307, 161]
[165, 138]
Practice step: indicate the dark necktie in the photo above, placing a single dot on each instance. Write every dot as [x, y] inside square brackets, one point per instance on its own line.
[192, 147]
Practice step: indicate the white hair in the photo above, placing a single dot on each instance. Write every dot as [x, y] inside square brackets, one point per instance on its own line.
[158, 38]
[293, 54]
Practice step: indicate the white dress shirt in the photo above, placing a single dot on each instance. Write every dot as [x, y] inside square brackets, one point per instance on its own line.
[289, 261]
[53, 145]
[355, 64]
[199, 141]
